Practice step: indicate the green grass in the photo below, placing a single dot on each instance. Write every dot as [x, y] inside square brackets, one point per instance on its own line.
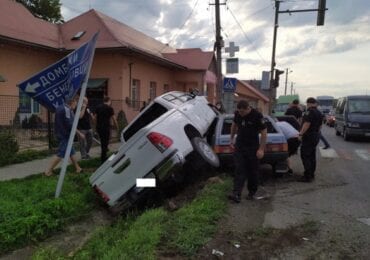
[156, 230]
[29, 212]
[193, 225]
[26, 156]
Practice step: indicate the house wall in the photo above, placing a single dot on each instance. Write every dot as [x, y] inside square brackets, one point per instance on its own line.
[17, 63]
[255, 100]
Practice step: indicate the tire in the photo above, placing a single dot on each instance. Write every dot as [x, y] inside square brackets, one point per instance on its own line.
[205, 151]
[337, 133]
[345, 135]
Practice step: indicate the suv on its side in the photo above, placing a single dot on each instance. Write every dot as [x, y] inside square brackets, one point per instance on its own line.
[168, 132]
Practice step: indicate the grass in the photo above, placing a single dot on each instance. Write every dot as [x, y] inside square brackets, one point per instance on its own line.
[154, 231]
[26, 156]
[29, 212]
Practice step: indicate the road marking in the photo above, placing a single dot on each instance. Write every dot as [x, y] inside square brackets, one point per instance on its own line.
[364, 220]
[144, 183]
[363, 154]
[328, 153]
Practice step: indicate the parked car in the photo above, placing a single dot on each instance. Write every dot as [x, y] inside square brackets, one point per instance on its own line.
[291, 120]
[352, 117]
[276, 151]
[168, 132]
[330, 119]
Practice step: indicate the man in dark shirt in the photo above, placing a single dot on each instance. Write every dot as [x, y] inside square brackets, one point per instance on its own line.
[310, 135]
[247, 124]
[104, 114]
[84, 126]
[294, 110]
[63, 125]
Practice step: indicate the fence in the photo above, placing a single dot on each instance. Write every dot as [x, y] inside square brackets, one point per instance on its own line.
[36, 130]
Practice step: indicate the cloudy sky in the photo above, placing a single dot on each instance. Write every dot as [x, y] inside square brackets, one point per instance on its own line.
[333, 59]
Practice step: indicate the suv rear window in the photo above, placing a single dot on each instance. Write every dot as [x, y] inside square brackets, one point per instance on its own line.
[151, 114]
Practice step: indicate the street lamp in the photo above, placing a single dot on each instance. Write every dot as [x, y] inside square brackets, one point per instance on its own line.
[286, 79]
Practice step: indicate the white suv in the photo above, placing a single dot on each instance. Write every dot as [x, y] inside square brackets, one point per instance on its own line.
[168, 132]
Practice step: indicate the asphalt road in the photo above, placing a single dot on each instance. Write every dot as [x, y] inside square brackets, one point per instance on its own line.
[339, 198]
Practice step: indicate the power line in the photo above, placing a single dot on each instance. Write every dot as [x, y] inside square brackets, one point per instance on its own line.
[245, 35]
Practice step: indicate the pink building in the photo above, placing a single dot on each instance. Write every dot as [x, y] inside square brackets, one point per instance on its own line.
[129, 66]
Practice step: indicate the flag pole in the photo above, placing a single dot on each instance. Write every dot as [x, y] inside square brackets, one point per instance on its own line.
[74, 125]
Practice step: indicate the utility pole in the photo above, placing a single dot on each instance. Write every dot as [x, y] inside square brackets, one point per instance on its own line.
[272, 89]
[320, 21]
[291, 88]
[286, 79]
[218, 44]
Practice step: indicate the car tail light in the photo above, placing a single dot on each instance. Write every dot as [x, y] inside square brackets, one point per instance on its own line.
[101, 194]
[161, 142]
[277, 147]
[223, 149]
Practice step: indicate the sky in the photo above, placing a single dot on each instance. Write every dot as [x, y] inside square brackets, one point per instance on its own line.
[333, 59]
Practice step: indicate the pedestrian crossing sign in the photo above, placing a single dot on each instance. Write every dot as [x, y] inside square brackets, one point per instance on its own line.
[229, 84]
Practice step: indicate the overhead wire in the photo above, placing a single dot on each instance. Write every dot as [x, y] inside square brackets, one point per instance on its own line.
[244, 33]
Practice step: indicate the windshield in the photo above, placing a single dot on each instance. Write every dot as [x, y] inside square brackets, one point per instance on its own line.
[281, 107]
[359, 106]
[327, 102]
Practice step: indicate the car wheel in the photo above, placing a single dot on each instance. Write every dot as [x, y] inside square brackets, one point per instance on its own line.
[205, 151]
[336, 131]
[345, 135]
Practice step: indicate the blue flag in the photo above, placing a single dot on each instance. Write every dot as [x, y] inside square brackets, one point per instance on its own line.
[63, 79]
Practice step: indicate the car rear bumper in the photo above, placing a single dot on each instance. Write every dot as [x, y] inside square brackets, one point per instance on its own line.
[269, 158]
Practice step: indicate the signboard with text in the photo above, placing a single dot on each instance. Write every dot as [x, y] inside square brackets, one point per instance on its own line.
[63, 79]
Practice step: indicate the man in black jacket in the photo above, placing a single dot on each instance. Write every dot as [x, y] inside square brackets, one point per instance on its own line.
[310, 135]
[249, 149]
[294, 110]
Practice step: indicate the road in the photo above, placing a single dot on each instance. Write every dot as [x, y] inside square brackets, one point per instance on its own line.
[339, 198]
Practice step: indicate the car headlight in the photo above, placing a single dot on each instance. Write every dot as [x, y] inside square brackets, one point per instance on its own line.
[352, 124]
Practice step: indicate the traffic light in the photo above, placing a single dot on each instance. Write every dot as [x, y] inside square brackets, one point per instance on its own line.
[321, 12]
[277, 77]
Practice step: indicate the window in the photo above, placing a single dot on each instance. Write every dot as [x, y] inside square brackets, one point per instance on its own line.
[135, 94]
[151, 114]
[152, 90]
[27, 104]
[78, 35]
[166, 88]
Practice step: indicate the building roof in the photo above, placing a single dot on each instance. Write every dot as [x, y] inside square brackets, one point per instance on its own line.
[253, 90]
[194, 58]
[18, 24]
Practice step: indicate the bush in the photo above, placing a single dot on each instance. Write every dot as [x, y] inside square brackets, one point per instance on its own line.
[9, 147]
[32, 123]
[121, 121]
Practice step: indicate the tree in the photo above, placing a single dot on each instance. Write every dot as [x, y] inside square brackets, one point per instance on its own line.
[48, 10]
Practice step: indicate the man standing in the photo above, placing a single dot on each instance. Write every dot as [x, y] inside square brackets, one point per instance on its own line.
[310, 134]
[294, 110]
[104, 114]
[84, 126]
[63, 125]
[248, 123]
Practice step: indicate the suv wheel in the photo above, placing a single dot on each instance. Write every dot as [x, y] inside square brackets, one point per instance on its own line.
[205, 151]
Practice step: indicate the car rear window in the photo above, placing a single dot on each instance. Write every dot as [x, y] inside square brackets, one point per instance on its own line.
[151, 114]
